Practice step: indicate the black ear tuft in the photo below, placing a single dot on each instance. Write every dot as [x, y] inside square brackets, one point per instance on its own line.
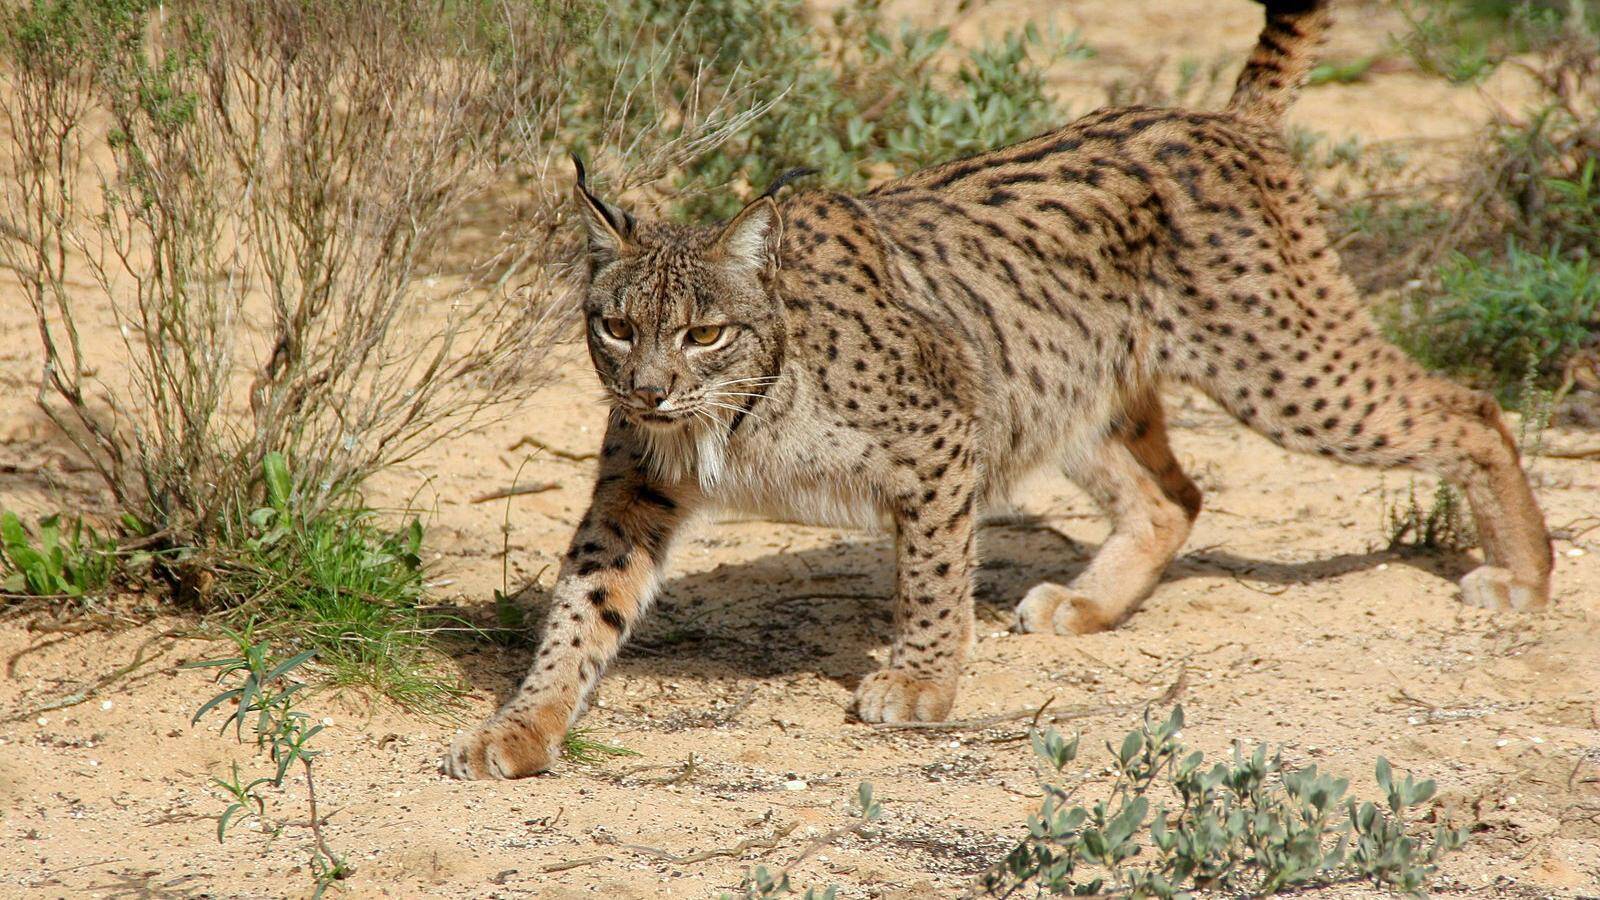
[620, 220]
[783, 180]
[610, 229]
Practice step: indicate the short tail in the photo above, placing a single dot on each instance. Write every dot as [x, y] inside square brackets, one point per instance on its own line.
[1282, 58]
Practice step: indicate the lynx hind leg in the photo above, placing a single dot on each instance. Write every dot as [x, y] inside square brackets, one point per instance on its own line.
[1359, 399]
[1134, 477]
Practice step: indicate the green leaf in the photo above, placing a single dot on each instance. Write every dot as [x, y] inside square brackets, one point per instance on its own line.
[1130, 747]
[12, 531]
[279, 484]
[211, 704]
[288, 665]
[225, 818]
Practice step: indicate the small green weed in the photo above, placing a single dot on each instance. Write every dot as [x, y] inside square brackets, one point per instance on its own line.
[265, 701]
[1446, 524]
[1464, 40]
[1341, 72]
[54, 560]
[1249, 827]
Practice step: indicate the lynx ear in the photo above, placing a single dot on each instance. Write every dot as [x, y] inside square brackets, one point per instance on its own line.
[749, 243]
[751, 240]
[610, 229]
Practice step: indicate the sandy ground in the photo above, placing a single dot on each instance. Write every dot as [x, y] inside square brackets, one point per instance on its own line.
[1284, 621]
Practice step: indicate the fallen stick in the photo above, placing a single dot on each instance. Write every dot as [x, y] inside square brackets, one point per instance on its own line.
[83, 695]
[1584, 453]
[574, 863]
[531, 441]
[766, 843]
[516, 491]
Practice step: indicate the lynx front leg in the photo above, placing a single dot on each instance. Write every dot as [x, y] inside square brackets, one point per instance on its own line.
[935, 558]
[607, 581]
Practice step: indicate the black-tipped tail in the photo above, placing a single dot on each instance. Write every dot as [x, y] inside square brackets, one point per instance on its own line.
[1282, 57]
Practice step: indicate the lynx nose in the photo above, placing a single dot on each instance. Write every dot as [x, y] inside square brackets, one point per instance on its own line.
[650, 396]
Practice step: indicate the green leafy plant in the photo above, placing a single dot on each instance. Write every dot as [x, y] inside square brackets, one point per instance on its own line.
[336, 581]
[1341, 72]
[1496, 319]
[54, 560]
[1251, 826]
[262, 709]
[1464, 40]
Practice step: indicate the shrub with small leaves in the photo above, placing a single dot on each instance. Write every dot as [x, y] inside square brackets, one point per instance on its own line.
[1445, 524]
[1497, 319]
[856, 99]
[1170, 825]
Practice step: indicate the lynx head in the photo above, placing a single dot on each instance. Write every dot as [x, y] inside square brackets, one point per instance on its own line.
[683, 326]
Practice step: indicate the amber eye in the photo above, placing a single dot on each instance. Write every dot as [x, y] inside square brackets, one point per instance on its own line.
[705, 335]
[617, 328]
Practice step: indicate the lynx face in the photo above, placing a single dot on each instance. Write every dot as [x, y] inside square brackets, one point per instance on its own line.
[682, 328]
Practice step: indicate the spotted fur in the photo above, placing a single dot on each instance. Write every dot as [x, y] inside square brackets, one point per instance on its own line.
[905, 356]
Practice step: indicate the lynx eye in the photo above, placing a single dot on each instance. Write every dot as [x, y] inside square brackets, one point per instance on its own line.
[705, 335]
[617, 328]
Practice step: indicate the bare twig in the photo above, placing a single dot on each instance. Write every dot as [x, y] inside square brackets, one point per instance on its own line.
[337, 865]
[531, 441]
[84, 694]
[574, 863]
[739, 849]
[828, 839]
[1036, 714]
[1033, 713]
[1583, 453]
[517, 491]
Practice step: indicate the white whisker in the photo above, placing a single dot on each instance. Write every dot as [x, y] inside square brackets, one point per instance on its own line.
[729, 406]
[768, 380]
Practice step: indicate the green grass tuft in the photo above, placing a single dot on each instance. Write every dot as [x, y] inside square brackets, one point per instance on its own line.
[342, 584]
[582, 746]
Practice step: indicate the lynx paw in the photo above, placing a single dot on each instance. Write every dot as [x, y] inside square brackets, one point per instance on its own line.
[1052, 608]
[1491, 587]
[499, 749]
[895, 695]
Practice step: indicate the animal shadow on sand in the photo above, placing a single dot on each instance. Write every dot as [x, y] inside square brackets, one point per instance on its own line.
[823, 610]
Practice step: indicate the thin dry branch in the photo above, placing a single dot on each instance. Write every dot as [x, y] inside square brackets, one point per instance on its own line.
[516, 491]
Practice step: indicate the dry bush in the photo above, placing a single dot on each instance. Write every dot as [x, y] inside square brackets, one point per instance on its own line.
[1512, 187]
[269, 198]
